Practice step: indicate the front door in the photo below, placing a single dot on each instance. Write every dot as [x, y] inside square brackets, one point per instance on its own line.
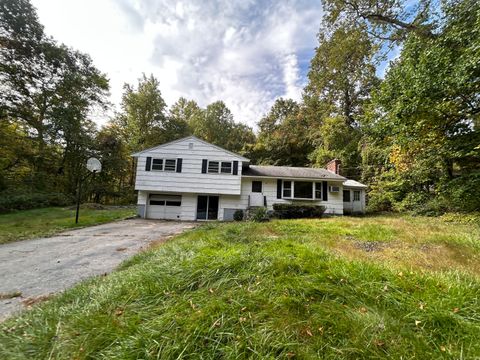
[207, 207]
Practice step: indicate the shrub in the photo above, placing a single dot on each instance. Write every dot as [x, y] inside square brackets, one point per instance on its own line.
[294, 211]
[259, 214]
[379, 201]
[11, 202]
[414, 201]
[238, 215]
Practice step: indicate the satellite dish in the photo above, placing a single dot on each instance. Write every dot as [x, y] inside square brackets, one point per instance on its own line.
[94, 165]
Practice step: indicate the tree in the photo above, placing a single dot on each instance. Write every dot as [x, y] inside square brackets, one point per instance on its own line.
[342, 73]
[283, 138]
[340, 81]
[47, 87]
[426, 112]
[143, 114]
[215, 124]
[180, 115]
[390, 20]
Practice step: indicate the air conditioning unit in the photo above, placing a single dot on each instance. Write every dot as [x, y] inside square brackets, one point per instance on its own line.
[334, 189]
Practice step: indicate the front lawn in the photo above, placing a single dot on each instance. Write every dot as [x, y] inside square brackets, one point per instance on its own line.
[29, 224]
[340, 288]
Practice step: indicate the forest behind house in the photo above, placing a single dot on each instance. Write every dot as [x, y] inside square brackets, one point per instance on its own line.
[411, 133]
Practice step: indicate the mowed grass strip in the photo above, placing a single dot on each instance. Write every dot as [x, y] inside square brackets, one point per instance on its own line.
[269, 291]
[27, 224]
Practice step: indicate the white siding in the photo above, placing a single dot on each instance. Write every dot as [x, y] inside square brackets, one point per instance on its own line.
[355, 206]
[191, 179]
[334, 205]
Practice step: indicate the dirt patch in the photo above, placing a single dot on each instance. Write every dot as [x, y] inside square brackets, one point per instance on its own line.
[35, 300]
[11, 295]
[430, 257]
[369, 246]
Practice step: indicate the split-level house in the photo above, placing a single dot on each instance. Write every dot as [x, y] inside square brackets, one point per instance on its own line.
[191, 179]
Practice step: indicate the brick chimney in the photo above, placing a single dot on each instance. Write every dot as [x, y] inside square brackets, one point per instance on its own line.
[334, 166]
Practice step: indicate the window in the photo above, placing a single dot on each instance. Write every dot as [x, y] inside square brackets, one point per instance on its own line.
[170, 164]
[226, 167]
[303, 190]
[157, 164]
[356, 195]
[256, 186]
[174, 203]
[164, 164]
[318, 190]
[346, 195]
[213, 167]
[157, 202]
[287, 189]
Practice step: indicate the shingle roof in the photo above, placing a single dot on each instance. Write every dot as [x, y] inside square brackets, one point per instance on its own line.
[291, 172]
[354, 184]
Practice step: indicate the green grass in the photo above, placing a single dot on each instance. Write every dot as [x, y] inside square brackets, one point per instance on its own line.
[29, 224]
[278, 290]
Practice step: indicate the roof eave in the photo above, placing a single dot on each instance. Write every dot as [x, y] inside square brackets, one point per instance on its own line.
[296, 177]
[137, 154]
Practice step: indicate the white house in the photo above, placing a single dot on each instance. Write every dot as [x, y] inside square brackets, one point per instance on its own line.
[190, 179]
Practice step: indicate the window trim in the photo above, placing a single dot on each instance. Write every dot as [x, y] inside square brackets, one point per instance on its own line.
[164, 161]
[261, 186]
[355, 193]
[218, 167]
[219, 172]
[221, 167]
[292, 190]
[304, 198]
[153, 163]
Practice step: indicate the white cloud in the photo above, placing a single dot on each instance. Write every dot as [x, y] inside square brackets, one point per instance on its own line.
[244, 52]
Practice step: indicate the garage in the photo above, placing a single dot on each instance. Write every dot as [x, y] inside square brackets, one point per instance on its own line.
[164, 206]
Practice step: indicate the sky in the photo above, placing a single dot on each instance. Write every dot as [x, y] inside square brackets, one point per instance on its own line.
[244, 52]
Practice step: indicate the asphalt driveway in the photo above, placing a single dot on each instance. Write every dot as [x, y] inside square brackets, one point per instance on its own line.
[39, 267]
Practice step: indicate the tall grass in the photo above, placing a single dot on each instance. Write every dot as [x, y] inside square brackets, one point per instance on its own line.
[27, 224]
[241, 291]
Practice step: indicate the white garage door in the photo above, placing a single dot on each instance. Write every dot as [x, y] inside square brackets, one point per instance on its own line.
[162, 206]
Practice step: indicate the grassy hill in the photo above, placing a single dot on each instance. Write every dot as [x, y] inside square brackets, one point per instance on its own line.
[28, 224]
[343, 288]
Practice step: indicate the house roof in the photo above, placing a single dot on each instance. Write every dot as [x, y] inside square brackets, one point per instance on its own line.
[191, 137]
[290, 172]
[354, 184]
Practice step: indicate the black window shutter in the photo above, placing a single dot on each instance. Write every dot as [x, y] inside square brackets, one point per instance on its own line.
[279, 188]
[235, 168]
[325, 191]
[179, 165]
[204, 166]
[148, 164]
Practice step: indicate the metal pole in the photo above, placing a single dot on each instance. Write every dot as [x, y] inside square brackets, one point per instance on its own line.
[80, 180]
[78, 199]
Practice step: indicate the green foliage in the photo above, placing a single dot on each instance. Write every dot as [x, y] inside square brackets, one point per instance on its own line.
[422, 126]
[263, 291]
[283, 138]
[25, 201]
[238, 215]
[258, 214]
[48, 90]
[215, 124]
[297, 211]
[29, 224]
